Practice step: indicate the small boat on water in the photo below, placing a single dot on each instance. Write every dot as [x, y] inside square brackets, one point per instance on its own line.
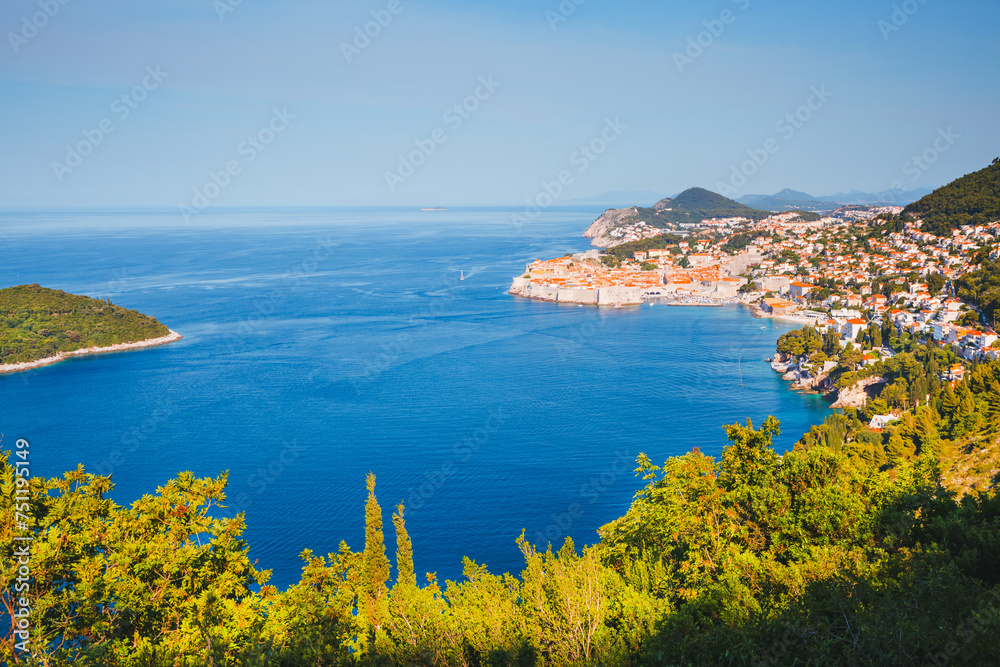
[462, 277]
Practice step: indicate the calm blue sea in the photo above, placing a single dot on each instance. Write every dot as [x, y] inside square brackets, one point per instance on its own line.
[320, 345]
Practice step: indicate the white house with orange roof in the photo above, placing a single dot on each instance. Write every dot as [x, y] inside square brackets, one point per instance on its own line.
[853, 328]
[799, 290]
[981, 339]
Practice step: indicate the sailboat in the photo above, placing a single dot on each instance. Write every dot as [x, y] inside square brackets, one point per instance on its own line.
[463, 275]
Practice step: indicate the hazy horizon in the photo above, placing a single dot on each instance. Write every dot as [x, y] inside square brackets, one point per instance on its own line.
[231, 104]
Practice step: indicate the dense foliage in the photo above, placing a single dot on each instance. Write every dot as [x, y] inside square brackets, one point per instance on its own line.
[800, 342]
[809, 558]
[982, 288]
[935, 417]
[954, 420]
[628, 250]
[973, 199]
[805, 216]
[37, 322]
[739, 242]
[814, 557]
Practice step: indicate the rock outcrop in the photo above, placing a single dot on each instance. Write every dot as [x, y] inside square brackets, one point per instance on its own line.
[854, 396]
[782, 363]
[858, 393]
[804, 378]
[613, 217]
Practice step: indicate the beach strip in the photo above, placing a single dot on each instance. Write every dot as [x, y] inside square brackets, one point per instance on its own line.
[149, 342]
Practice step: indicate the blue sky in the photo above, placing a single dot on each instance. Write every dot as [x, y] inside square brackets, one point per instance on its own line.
[924, 82]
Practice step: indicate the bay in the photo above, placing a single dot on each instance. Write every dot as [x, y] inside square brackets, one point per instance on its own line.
[321, 344]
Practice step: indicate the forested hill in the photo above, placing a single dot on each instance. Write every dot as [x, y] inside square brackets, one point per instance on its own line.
[696, 204]
[37, 322]
[973, 199]
[982, 287]
[688, 208]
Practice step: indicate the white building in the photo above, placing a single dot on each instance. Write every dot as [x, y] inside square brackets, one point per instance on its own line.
[879, 422]
[853, 328]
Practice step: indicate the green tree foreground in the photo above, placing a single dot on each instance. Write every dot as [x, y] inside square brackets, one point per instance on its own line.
[811, 557]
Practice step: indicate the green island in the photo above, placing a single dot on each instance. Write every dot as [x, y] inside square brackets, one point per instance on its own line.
[38, 323]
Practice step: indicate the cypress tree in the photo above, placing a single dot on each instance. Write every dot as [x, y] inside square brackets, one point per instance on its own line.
[927, 432]
[896, 449]
[835, 439]
[887, 330]
[950, 407]
[404, 550]
[376, 564]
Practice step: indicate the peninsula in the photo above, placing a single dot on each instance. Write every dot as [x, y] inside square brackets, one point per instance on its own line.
[698, 278]
[696, 249]
[839, 271]
[41, 326]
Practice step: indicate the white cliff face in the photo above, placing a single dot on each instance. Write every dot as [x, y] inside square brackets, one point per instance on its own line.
[858, 393]
[792, 371]
[854, 396]
[598, 230]
[782, 363]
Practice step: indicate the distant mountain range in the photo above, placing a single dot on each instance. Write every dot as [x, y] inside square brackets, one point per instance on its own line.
[971, 199]
[787, 199]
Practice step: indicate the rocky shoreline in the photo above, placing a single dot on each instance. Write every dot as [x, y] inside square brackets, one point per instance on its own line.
[149, 342]
[854, 396]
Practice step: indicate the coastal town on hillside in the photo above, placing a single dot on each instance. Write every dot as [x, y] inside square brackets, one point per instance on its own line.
[830, 272]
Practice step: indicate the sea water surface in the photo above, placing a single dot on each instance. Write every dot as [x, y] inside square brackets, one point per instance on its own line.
[320, 345]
